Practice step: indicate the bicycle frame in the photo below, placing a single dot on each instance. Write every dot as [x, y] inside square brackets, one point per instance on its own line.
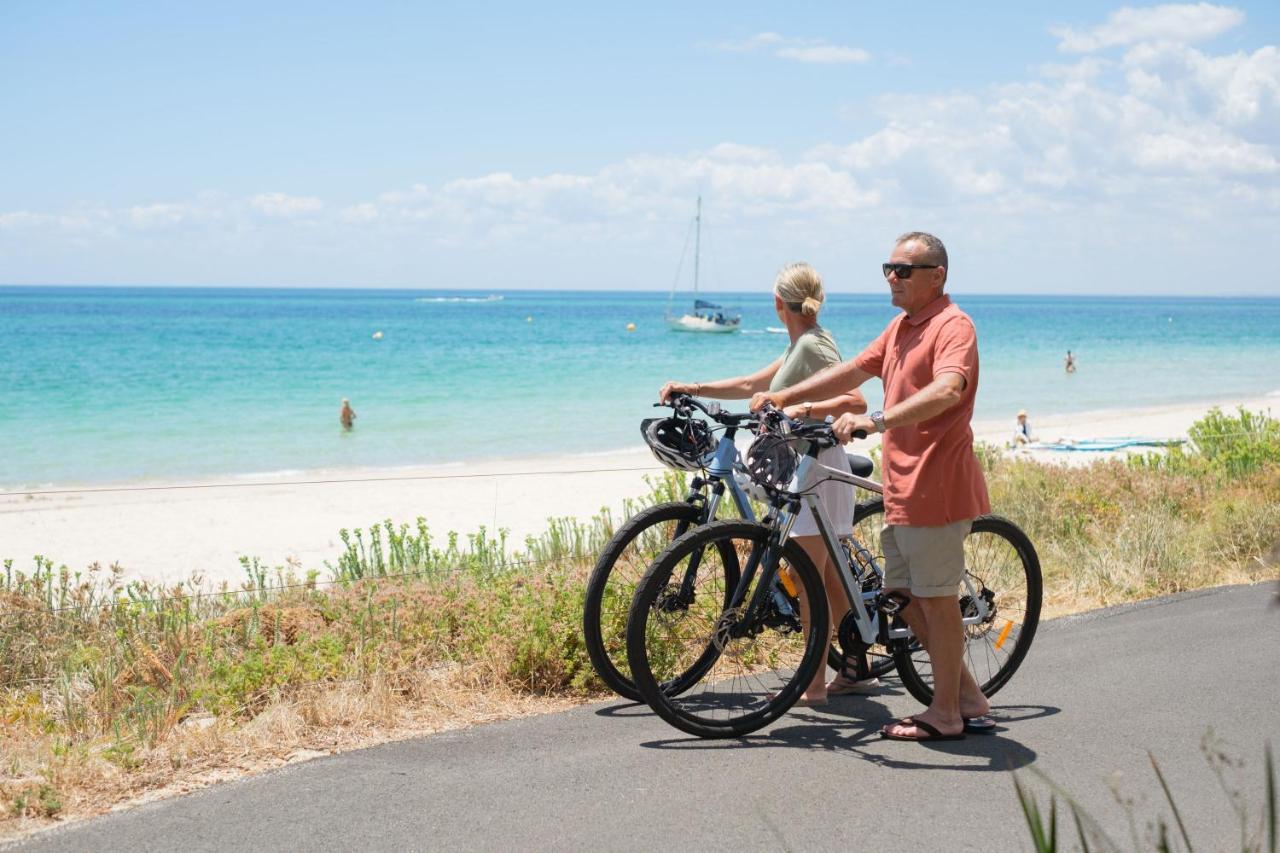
[720, 475]
[867, 619]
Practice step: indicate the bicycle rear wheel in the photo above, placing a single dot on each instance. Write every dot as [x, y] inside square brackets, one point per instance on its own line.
[703, 668]
[613, 581]
[1002, 567]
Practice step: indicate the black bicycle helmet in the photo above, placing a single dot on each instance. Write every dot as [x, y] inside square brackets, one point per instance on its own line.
[771, 461]
[683, 443]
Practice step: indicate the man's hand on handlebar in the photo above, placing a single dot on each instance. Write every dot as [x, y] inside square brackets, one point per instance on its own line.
[766, 398]
[847, 424]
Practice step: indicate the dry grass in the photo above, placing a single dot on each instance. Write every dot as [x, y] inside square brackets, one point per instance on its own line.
[1113, 532]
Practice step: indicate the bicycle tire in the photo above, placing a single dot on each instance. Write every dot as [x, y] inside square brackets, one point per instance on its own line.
[994, 546]
[879, 659]
[612, 583]
[762, 675]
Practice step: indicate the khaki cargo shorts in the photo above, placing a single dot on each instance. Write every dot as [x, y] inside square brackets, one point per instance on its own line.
[927, 560]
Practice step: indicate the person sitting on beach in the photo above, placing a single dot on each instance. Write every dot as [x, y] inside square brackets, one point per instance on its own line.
[797, 298]
[347, 416]
[1022, 430]
[1070, 362]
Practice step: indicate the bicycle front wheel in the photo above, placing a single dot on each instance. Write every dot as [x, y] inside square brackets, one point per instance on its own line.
[1003, 569]
[715, 672]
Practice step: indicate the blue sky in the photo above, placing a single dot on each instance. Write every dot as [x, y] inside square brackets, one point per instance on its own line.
[1095, 148]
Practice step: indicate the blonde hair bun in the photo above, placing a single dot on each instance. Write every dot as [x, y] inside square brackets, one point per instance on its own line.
[800, 286]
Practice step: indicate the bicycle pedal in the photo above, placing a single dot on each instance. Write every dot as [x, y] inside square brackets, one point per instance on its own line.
[891, 603]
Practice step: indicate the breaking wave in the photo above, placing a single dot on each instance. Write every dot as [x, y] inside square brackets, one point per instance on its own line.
[493, 297]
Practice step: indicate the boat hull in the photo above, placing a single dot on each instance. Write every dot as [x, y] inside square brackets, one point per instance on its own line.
[694, 323]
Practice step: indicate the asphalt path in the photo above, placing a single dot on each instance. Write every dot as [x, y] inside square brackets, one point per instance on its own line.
[1096, 693]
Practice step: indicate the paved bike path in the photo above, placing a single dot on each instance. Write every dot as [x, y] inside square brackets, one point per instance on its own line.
[1095, 694]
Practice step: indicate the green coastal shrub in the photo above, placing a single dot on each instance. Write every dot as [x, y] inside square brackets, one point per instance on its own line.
[1230, 446]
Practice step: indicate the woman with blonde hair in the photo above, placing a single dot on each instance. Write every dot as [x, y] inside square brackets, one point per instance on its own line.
[797, 298]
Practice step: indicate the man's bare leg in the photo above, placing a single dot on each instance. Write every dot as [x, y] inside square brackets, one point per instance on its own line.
[937, 624]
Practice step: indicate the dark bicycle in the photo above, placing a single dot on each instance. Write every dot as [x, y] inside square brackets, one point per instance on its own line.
[687, 443]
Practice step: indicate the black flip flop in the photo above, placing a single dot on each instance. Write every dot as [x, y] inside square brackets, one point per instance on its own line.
[980, 725]
[934, 734]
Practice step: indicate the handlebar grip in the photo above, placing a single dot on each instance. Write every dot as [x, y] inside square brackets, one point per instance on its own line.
[859, 433]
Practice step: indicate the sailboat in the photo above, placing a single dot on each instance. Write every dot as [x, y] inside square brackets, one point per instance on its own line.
[706, 316]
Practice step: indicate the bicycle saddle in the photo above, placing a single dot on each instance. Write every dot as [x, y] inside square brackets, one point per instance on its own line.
[861, 466]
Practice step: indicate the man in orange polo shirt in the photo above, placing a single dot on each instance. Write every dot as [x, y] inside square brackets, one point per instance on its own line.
[927, 358]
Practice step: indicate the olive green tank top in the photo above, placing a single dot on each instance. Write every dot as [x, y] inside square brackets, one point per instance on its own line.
[813, 351]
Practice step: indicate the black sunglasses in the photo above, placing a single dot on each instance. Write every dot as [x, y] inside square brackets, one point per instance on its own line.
[903, 271]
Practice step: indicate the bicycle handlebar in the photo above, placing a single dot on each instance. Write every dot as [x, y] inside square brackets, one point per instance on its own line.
[684, 402]
[820, 433]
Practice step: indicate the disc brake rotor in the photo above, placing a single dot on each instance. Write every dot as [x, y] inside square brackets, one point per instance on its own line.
[724, 631]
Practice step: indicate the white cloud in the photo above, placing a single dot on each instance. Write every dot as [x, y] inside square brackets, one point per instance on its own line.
[286, 206]
[756, 41]
[151, 216]
[1182, 23]
[1238, 88]
[22, 219]
[1202, 153]
[735, 153]
[814, 51]
[825, 54]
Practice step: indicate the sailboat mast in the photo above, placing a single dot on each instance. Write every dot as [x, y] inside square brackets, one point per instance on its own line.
[697, 244]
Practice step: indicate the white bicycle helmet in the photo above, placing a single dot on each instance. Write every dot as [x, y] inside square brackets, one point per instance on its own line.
[683, 443]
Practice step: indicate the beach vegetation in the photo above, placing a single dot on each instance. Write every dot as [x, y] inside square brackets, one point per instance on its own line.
[1250, 825]
[1223, 444]
[109, 688]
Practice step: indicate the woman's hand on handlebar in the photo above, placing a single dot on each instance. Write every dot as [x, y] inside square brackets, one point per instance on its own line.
[847, 424]
[675, 388]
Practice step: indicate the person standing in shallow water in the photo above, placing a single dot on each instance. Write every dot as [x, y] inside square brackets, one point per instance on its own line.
[1070, 362]
[348, 415]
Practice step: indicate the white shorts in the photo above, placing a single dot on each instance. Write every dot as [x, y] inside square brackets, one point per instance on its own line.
[836, 497]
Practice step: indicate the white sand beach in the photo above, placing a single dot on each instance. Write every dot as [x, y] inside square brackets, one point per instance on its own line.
[167, 534]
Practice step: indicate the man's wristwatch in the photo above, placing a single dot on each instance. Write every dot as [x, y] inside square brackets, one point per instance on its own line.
[877, 418]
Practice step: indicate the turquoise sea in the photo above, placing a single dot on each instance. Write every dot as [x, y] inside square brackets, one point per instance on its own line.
[114, 384]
